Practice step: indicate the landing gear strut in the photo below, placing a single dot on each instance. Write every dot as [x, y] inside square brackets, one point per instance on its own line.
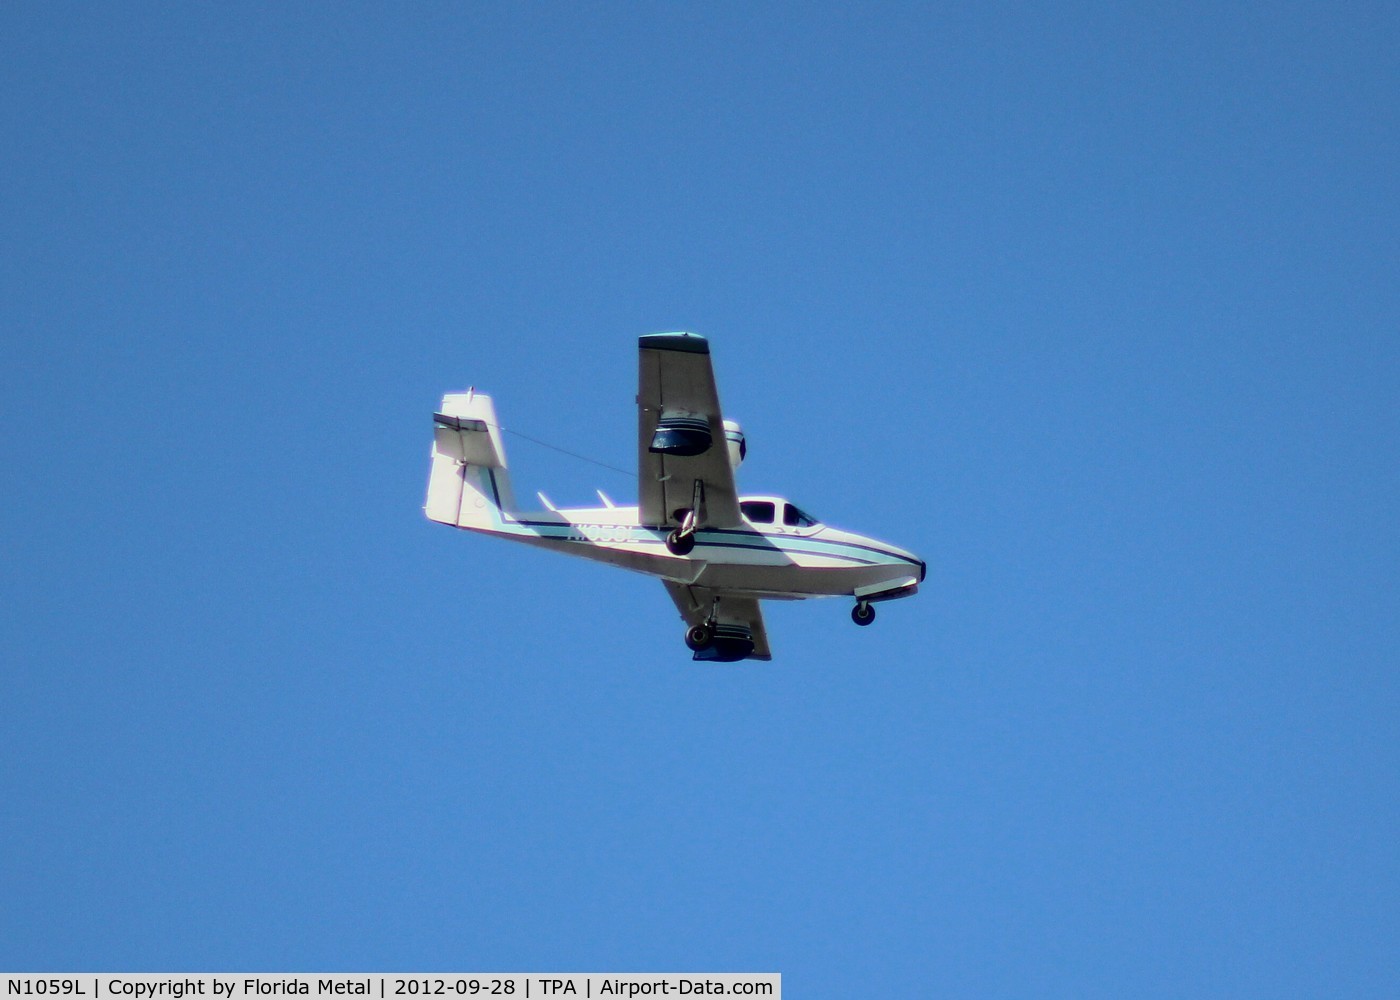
[862, 613]
[681, 540]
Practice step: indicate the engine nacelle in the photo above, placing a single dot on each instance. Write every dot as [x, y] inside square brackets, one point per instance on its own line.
[680, 433]
[685, 435]
[734, 438]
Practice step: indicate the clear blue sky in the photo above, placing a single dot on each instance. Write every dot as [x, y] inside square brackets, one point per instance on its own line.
[1095, 307]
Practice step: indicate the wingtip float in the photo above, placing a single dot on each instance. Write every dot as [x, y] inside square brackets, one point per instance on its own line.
[717, 553]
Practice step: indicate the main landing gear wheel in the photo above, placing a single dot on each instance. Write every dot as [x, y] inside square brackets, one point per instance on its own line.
[678, 544]
[699, 637]
[862, 614]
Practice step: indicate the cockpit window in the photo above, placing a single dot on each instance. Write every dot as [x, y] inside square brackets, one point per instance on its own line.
[795, 518]
[758, 511]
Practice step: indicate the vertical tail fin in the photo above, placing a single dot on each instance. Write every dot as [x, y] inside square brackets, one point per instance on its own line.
[469, 486]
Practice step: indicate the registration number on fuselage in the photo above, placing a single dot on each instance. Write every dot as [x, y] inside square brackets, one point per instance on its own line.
[600, 533]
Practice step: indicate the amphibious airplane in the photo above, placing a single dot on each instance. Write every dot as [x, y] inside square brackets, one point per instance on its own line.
[717, 553]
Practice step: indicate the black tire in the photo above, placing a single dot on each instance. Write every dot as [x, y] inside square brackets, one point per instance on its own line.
[699, 637]
[678, 546]
[863, 614]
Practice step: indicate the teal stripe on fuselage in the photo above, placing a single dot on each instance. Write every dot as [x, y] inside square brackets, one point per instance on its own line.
[568, 534]
[704, 538]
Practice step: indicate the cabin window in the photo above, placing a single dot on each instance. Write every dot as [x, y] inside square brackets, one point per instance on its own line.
[758, 511]
[795, 518]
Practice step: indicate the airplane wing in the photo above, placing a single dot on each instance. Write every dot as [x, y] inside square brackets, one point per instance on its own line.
[680, 435]
[694, 604]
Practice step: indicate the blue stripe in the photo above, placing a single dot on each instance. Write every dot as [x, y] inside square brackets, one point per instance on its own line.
[555, 532]
[645, 536]
[816, 541]
[786, 551]
[495, 492]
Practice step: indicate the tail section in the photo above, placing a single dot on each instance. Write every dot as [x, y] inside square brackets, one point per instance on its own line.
[469, 486]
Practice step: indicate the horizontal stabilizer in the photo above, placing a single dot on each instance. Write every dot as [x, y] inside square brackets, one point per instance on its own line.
[465, 439]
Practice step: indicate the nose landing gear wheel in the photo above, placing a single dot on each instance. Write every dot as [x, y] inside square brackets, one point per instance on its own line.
[862, 614]
[679, 545]
[699, 637]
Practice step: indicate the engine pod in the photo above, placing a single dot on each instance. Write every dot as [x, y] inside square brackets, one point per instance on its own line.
[734, 438]
[679, 434]
[731, 643]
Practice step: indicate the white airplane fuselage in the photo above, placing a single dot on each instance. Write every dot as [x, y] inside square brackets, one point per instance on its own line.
[766, 561]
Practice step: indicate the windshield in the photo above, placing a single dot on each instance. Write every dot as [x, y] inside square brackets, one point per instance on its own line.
[795, 518]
